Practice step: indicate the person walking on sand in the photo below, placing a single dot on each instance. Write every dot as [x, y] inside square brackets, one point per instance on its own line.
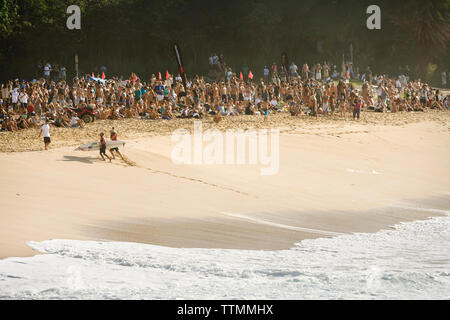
[103, 147]
[45, 130]
[116, 149]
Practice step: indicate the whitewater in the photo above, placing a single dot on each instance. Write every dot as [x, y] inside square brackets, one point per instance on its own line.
[409, 261]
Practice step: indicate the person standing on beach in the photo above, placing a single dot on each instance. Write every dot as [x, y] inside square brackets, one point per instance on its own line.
[103, 147]
[305, 72]
[45, 129]
[357, 108]
[116, 149]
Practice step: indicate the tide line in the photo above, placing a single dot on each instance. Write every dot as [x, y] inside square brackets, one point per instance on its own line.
[421, 209]
[283, 226]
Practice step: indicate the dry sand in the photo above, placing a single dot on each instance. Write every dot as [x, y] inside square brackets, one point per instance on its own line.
[335, 176]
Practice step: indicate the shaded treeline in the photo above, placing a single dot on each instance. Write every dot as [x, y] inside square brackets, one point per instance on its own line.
[137, 35]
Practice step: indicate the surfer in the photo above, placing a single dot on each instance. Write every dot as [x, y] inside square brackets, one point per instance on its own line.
[103, 147]
[116, 149]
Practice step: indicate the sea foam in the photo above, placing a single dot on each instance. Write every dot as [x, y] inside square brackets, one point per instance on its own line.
[410, 262]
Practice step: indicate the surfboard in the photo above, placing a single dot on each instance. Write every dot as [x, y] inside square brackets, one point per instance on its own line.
[93, 146]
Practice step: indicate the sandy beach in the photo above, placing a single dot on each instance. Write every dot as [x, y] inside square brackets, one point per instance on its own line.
[335, 176]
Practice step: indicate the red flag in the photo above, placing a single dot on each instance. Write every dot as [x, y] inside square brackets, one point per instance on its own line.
[241, 76]
[250, 75]
[103, 75]
[159, 75]
[93, 76]
[167, 74]
[348, 74]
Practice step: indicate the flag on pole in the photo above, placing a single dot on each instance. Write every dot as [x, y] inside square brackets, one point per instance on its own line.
[103, 75]
[250, 75]
[241, 76]
[93, 76]
[159, 75]
[167, 74]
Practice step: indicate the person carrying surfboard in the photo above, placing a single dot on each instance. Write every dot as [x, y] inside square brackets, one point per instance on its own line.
[116, 149]
[103, 147]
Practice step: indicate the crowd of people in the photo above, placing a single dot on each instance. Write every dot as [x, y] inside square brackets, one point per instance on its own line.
[306, 91]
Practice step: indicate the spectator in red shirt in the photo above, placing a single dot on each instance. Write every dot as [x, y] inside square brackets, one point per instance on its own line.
[30, 110]
[116, 149]
[357, 108]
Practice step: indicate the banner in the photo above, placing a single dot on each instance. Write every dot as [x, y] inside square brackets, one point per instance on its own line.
[176, 48]
[97, 79]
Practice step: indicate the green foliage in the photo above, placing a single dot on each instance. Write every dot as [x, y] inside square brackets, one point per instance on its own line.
[137, 35]
[8, 17]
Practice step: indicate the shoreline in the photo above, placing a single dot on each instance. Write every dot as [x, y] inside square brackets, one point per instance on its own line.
[325, 183]
[248, 233]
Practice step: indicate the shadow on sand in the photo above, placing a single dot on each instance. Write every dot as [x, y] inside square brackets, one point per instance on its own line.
[88, 160]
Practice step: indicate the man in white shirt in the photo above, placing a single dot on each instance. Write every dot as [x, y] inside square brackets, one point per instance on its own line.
[379, 80]
[23, 98]
[229, 74]
[398, 84]
[266, 74]
[274, 103]
[47, 70]
[211, 60]
[63, 73]
[379, 92]
[5, 93]
[293, 69]
[15, 96]
[215, 61]
[45, 129]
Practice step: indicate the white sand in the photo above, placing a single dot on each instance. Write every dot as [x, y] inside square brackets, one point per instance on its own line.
[330, 177]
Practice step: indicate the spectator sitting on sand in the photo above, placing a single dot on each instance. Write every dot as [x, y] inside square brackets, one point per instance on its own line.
[167, 113]
[11, 124]
[116, 99]
[76, 122]
[22, 123]
[62, 120]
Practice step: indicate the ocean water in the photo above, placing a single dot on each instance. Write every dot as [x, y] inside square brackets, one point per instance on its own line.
[411, 261]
